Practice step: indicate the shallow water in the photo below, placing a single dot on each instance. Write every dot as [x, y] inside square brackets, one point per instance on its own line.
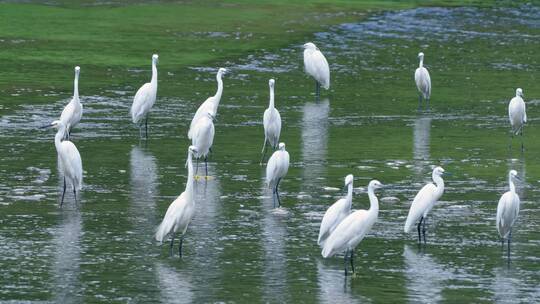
[238, 248]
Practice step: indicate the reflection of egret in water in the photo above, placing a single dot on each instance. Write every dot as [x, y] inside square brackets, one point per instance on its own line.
[505, 286]
[68, 257]
[334, 287]
[174, 287]
[314, 141]
[143, 182]
[421, 141]
[425, 277]
[519, 166]
[274, 235]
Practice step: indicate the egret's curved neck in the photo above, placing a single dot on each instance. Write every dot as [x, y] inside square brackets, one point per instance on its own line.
[58, 137]
[373, 201]
[76, 86]
[271, 105]
[511, 183]
[191, 178]
[439, 182]
[421, 62]
[154, 74]
[349, 194]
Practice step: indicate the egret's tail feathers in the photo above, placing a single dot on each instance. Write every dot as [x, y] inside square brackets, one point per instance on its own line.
[326, 252]
[407, 227]
[162, 231]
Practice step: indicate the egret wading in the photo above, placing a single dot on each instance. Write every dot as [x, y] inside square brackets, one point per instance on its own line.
[423, 82]
[144, 100]
[72, 113]
[316, 66]
[350, 232]
[203, 138]
[180, 211]
[508, 210]
[69, 160]
[336, 213]
[271, 122]
[423, 203]
[276, 169]
[210, 105]
[517, 115]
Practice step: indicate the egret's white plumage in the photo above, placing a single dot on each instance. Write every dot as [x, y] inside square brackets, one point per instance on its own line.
[145, 98]
[276, 169]
[516, 112]
[508, 209]
[181, 210]
[271, 122]
[423, 81]
[210, 105]
[316, 66]
[72, 113]
[336, 213]
[69, 160]
[424, 201]
[203, 137]
[353, 228]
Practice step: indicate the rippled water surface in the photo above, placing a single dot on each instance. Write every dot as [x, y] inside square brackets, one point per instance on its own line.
[238, 248]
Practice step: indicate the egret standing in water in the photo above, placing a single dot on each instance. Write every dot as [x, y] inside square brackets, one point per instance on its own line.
[181, 210]
[72, 113]
[203, 138]
[517, 114]
[271, 122]
[276, 169]
[423, 82]
[508, 210]
[210, 105]
[145, 99]
[350, 232]
[69, 160]
[316, 66]
[336, 213]
[423, 203]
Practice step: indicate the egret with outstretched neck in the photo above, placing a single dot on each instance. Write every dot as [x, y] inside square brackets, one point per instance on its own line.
[316, 66]
[180, 211]
[336, 213]
[423, 203]
[69, 160]
[203, 138]
[352, 230]
[210, 105]
[271, 123]
[144, 99]
[72, 113]
[276, 169]
[517, 115]
[508, 210]
[423, 82]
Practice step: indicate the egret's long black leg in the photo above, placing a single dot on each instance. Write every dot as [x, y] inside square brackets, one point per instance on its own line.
[419, 102]
[63, 193]
[427, 104]
[277, 192]
[206, 165]
[345, 261]
[509, 238]
[317, 88]
[352, 260]
[424, 229]
[263, 151]
[75, 194]
[172, 244]
[146, 126]
[274, 196]
[419, 235]
[180, 248]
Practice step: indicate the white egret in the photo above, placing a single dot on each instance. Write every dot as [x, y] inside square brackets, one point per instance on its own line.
[271, 122]
[350, 232]
[144, 99]
[517, 114]
[203, 138]
[336, 213]
[508, 210]
[424, 201]
[276, 169]
[423, 82]
[72, 113]
[210, 105]
[181, 210]
[316, 66]
[69, 160]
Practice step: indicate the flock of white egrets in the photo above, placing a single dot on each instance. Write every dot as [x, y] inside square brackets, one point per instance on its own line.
[341, 230]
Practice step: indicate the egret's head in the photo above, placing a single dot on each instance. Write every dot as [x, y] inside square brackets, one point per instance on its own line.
[56, 124]
[271, 83]
[519, 92]
[438, 171]
[281, 146]
[375, 184]
[222, 71]
[349, 179]
[77, 69]
[421, 55]
[513, 174]
[155, 58]
[310, 46]
[192, 150]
